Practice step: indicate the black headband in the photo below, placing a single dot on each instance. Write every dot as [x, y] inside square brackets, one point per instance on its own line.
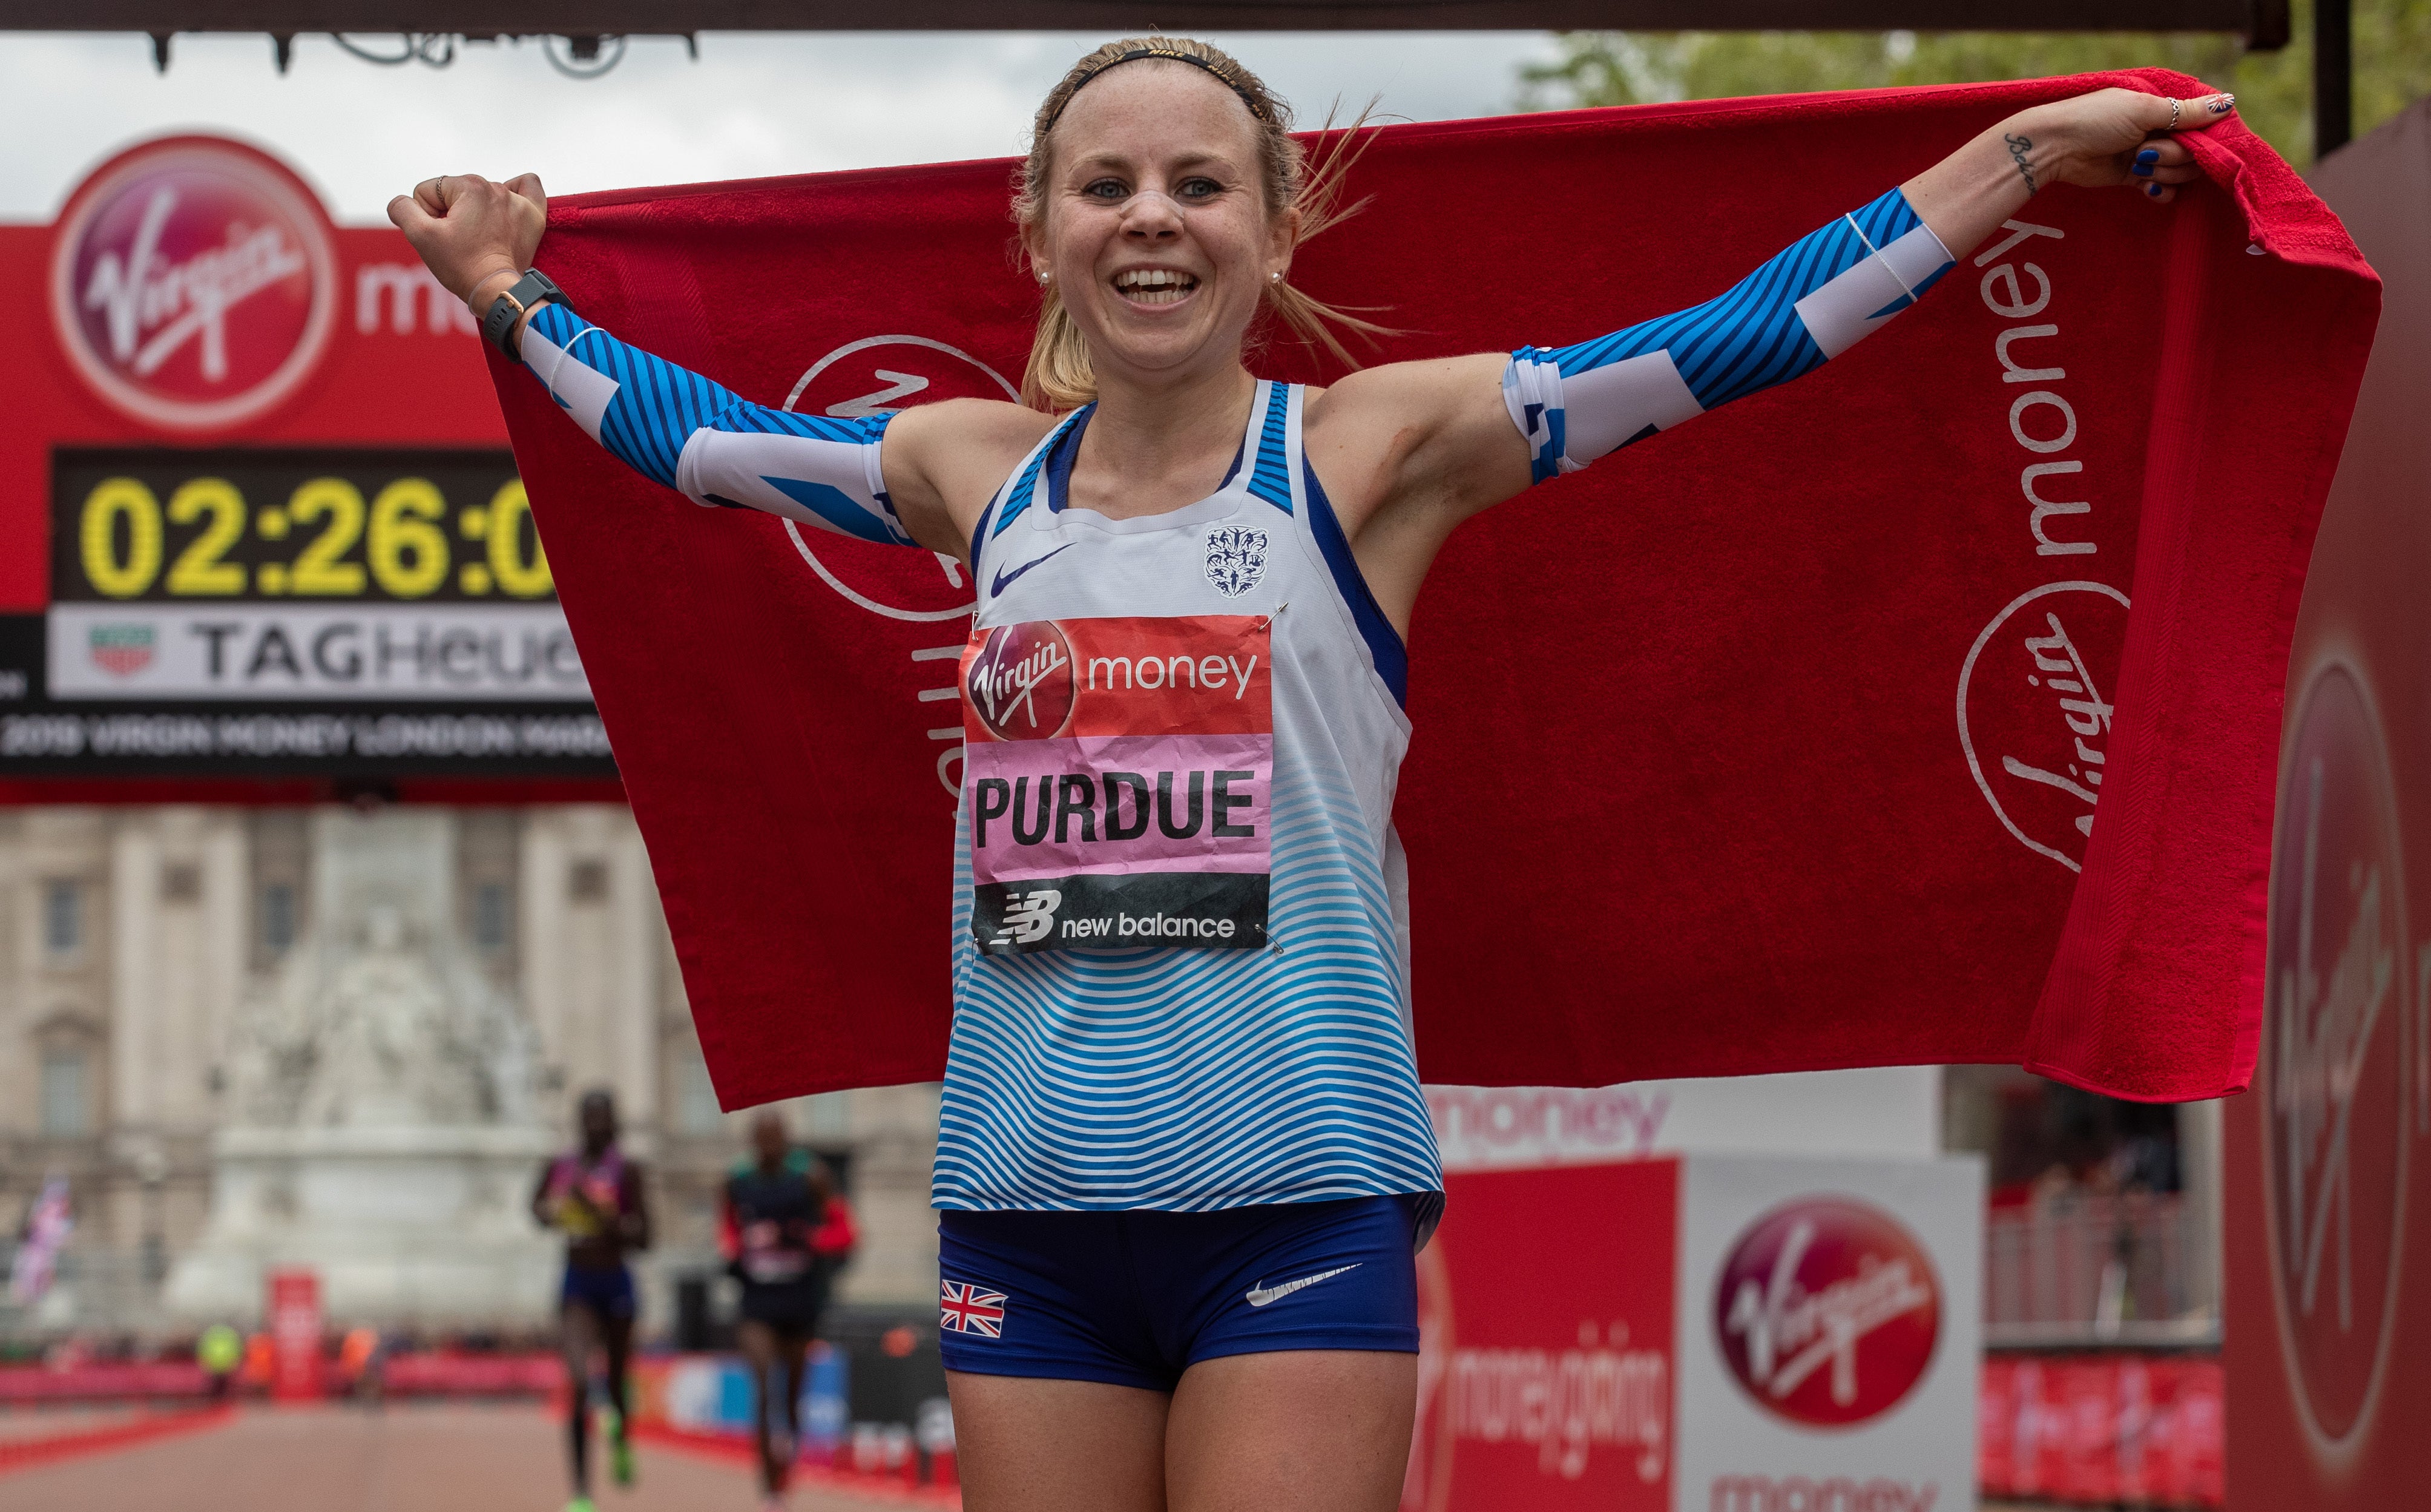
[1173, 55]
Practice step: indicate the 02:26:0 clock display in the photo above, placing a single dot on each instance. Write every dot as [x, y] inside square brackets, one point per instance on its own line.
[348, 525]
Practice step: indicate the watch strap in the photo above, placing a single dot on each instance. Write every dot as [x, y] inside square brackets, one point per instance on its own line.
[498, 326]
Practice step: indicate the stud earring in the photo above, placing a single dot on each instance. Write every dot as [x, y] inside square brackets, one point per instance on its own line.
[1274, 277]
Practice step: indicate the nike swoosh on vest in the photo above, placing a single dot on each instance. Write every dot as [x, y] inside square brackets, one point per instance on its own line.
[1004, 576]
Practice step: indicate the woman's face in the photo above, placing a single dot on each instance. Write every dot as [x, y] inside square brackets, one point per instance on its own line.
[1155, 227]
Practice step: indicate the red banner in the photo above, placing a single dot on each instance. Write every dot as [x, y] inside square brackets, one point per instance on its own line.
[1773, 744]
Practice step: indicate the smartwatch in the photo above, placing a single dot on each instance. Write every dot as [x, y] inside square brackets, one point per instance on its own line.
[533, 288]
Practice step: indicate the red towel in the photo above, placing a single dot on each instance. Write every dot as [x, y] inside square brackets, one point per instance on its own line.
[1759, 747]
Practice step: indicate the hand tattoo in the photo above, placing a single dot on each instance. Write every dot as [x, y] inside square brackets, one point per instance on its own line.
[2018, 147]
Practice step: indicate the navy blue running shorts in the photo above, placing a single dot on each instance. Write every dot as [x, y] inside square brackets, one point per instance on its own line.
[607, 1290]
[1135, 1298]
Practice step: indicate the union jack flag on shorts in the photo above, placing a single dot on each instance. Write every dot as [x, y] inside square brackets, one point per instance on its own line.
[965, 1309]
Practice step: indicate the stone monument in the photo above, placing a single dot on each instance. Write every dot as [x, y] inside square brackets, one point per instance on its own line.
[381, 1129]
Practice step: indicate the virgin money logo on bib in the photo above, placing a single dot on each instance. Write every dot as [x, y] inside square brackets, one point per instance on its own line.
[2331, 1069]
[1020, 684]
[1827, 1310]
[192, 283]
[2035, 711]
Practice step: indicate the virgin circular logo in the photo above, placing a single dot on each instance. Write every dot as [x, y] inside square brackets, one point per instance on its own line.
[2034, 713]
[2331, 1068]
[192, 283]
[880, 375]
[1827, 1310]
[1019, 681]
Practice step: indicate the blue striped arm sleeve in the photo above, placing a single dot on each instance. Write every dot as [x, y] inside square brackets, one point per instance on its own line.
[1821, 297]
[682, 431]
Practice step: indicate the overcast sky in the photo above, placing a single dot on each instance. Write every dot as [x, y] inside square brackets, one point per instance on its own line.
[753, 104]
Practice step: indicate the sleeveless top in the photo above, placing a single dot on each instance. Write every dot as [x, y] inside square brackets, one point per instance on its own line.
[600, 1186]
[1209, 1011]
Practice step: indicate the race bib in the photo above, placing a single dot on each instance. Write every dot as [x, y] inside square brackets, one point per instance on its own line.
[1117, 775]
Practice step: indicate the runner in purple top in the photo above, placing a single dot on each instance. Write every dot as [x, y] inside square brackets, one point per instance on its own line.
[593, 1195]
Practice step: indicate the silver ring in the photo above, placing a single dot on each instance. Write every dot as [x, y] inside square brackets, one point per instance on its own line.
[2174, 115]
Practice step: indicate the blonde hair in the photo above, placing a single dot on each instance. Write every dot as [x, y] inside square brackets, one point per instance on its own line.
[1059, 375]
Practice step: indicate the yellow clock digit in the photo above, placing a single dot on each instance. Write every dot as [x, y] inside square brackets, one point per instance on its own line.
[319, 569]
[510, 510]
[408, 554]
[112, 499]
[198, 569]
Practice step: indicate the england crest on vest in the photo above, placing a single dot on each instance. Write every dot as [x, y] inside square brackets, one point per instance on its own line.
[1236, 559]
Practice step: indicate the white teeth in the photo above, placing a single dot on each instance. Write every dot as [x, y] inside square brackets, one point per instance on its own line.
[1153, 279]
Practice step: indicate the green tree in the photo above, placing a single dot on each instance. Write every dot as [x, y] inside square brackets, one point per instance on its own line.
[2274, 90]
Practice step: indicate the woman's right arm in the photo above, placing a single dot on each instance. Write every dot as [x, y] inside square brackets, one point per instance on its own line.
[672, 425]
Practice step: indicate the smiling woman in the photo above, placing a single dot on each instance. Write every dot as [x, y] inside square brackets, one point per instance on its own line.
[1183, 1161]
[1299, 198]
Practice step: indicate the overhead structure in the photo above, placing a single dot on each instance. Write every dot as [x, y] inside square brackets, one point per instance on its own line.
[2263, 23]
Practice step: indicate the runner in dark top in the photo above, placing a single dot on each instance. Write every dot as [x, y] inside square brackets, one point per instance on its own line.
[593, 1195]
[785, 1233]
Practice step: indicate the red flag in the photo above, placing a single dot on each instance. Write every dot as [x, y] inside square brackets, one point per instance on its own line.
[1777, 741]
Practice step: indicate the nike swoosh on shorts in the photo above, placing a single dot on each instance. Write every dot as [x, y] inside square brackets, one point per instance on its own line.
[1004, 576]
[1260, 1296]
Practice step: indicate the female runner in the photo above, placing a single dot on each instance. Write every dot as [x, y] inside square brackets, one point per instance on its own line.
[1182, 1181]
[594, 1195]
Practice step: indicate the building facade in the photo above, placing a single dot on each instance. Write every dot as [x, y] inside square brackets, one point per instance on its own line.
[140, 943]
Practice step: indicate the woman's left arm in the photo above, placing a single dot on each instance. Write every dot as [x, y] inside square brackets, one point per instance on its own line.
[1439, 442]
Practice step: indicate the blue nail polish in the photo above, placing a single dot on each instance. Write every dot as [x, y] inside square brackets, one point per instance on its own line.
[2149, 155]
[2141, 168]
[2154, 190]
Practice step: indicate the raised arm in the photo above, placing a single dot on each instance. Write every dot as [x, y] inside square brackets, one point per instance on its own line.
[1410, 450]
[672, 425]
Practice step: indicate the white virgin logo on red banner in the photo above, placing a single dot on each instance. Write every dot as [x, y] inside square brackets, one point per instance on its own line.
[1827, 1310]
[193, 284]
[882, 375]
[2035, 712]
[2335, 1161]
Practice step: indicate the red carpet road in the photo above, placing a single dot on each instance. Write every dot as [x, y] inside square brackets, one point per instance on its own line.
[406, 1458]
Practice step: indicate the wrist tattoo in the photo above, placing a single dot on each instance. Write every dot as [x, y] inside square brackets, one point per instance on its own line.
[2018, 147]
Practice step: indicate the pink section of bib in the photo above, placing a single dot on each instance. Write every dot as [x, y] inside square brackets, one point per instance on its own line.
[1005, 777]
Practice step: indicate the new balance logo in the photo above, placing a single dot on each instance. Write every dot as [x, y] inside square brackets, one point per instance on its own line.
[1028, 917]
[1260, 1296]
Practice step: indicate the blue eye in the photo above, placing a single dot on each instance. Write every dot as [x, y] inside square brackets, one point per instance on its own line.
[1108, 189]
[1200, 188]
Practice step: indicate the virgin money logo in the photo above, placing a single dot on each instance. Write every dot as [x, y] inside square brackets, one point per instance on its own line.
[882, 375]
[191, 283]
[1020, 681]
[2334, 1157]
[1827, 1310]
[2035, 711]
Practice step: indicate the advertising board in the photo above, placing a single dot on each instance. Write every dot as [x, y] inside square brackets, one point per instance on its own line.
[1701, 1334]
[259, 514]
[295, 1326]
[2327, 1224]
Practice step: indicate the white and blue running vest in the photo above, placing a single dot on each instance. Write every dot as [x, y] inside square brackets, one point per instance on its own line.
[1182, 1079]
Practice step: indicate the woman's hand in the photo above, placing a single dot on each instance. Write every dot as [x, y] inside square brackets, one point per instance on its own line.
[2112, 137]
[470, 231]
[2106, 138]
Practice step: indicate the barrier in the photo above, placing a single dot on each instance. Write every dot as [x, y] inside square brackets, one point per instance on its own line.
[150, 1381]
[2102, 1429]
